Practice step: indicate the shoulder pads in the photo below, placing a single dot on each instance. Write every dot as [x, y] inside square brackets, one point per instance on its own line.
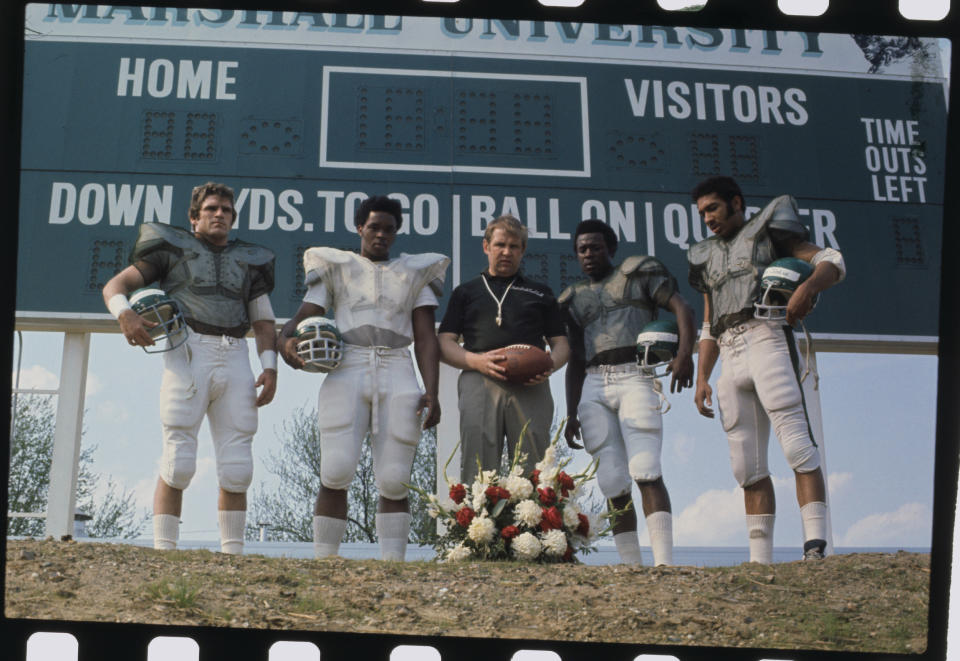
[433, 264]
[698, 253]
[157, 236]
[780, 214]
[317, 261]
[638, 263]
[252, 253]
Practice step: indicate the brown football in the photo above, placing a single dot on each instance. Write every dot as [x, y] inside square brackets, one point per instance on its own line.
[524, 362]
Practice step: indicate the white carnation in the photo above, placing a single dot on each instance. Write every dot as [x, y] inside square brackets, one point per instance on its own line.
[518, 486]
[457, 553]
[554, 542]
[525, 546]
[481, 530]
[570, 518]
[527, 513]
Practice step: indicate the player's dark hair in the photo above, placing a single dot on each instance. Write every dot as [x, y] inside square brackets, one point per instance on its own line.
[203, 191]
[724, 187]
[594, 226]
[378, 203]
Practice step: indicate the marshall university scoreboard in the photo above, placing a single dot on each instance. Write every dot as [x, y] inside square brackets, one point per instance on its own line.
[125, 109]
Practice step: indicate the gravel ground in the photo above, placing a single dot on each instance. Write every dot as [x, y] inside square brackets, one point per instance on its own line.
[869, 602]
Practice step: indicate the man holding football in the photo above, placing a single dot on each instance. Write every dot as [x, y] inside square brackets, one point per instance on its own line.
[379, 305]
[613, 398]
[499, 308]
[760, 383]
[218, 288]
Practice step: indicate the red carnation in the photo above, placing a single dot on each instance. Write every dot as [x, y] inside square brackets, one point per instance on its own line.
[509, 532]
[465, 516]
[568, 554]
[496, 493]
[566, 483]
[584, 528]
[535, 477]
[457, 493]
[551, 519]
[547, 496]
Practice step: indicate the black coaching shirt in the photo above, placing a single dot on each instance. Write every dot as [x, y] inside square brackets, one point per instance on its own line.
[529, 313]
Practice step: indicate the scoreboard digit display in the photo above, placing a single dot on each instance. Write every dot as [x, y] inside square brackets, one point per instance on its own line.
[463, 120]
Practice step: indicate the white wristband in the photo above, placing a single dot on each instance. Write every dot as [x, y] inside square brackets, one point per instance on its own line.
[117, 304]
[268, 359]
[705, 331]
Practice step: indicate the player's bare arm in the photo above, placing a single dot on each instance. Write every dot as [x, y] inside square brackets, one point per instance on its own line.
[489, 363]
[559, 354]
[287, 343]
[825, 274]
[709, 352]
[133, 326]
[265, 333]
[427, 350]
[681, 367]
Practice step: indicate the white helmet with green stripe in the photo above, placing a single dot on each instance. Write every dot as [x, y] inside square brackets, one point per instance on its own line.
[319, 344]
[657, 346]
[154, 305]
[777, 284]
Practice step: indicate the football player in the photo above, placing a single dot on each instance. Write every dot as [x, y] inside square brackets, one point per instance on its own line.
[498, 308]
[760, 383]
[379, 305]
[221, 287]
[613, 400]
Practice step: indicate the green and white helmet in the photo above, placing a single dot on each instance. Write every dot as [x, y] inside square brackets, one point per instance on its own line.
[777, 284]
[657, 346]
[154, 305]
[319, 344]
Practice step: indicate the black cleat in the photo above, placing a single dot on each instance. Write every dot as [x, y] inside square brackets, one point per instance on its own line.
[813, 549]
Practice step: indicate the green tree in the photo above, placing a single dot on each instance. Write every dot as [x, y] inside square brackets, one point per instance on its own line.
[288, 509]
[31, 450]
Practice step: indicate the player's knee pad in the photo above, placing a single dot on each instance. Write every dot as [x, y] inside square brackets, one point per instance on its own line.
[645, 466]
[802, 456]
[235, 476]
[747, 478]
[612, 476]
[179, 472]
[336, 468]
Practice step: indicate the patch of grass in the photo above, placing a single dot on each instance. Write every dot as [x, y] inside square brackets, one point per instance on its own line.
[181, 592]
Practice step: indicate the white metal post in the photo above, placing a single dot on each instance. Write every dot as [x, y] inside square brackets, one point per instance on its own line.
[448, 431]
[811, 394]
[62, 497]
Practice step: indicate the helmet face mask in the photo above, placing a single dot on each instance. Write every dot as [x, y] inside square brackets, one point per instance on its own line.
[777, 284]
[657, 346]
[319, 344]
[154, 305]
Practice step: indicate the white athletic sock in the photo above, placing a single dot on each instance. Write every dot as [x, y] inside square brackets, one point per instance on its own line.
[327, 533]
[166, 531]
[660, 528]
[760, 532]
[392, 530]
[232, 523]
[814, 517]
[628, 546]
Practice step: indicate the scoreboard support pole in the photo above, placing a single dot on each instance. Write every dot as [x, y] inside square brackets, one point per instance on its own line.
[448, 431]
[62, 497]
[811, 394]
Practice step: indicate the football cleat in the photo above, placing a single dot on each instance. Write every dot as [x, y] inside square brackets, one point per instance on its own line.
[319, 344]
[657, 346]
[777, 284]
[154, 305]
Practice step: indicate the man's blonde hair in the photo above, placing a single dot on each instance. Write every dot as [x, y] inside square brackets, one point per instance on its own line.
[508, 224]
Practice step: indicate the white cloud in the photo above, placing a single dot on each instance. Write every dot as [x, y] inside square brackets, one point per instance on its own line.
[907, 526]
[839, 483]
[714, 519]
[112, 412]
[37, 377]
